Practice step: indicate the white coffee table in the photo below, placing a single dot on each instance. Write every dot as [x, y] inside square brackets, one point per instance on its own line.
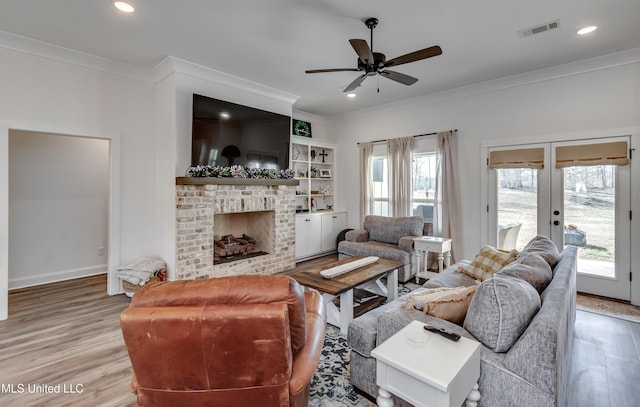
[426, 244]
[435, 373]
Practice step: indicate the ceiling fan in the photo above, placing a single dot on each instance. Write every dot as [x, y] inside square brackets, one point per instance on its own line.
[374, 63]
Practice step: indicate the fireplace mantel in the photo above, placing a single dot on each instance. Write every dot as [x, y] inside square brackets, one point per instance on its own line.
[234, 181]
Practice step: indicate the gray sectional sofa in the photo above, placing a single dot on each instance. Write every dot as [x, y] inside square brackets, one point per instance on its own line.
[528, 368]
[389, 238]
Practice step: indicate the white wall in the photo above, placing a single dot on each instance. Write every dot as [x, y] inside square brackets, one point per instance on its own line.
[58, 205]
[556, 103]
[46, 95]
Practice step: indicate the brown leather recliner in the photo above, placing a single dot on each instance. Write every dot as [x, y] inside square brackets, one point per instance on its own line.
[231, 341]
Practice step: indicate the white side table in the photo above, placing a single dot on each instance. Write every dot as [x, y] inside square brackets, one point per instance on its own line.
[436, 372]
[426, 244]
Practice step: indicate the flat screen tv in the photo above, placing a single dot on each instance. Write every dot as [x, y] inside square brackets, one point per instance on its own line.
[226, 134]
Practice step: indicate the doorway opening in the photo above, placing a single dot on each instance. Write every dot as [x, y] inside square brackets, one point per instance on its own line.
[112, 247]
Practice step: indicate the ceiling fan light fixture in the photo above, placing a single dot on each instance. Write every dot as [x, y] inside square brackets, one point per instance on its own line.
[351, 95]
[587, 30]
[124, 6]
[371, 63]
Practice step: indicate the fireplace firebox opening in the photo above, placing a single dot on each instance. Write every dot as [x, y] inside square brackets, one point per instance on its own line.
[242, 235]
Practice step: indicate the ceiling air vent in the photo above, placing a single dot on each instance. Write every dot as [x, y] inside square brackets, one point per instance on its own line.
[551, 25]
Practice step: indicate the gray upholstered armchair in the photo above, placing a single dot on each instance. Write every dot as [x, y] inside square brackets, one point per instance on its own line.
[388, 238]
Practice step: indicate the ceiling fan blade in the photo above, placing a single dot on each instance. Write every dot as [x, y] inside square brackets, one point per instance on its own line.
[355, 83]
[399, 77]
[331, 70]
[415, 56]
[362, 49]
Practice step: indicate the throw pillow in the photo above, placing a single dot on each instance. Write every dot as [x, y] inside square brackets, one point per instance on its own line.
[501, 311]
[543, 246]
[445, 303]
[531, 268]
[418, 299]
[488, 261]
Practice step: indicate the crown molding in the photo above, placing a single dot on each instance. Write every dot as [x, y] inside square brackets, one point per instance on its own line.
[54, 52]
[171, 65]
[604, 62]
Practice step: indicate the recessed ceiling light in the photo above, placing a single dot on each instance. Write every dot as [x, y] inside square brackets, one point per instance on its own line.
[586, 30]
[225, 115]
[351, 95]
[124, 6]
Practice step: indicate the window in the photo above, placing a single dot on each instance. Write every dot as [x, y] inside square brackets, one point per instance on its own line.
[380, 186]
[424, 184]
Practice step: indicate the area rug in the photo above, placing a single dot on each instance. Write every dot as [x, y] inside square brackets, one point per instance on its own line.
[330, 385]
[613, 309]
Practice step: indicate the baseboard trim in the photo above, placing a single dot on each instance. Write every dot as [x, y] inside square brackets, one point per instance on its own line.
[54, 277]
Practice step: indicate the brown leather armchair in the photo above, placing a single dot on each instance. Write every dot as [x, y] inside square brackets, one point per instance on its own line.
[231, 341]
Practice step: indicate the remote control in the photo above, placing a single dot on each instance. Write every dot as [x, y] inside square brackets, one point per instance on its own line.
[444, 332]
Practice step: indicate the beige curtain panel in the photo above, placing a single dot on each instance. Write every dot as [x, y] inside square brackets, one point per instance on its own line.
[520, 158]
[366, 189]
[399, 152]
[592, 154]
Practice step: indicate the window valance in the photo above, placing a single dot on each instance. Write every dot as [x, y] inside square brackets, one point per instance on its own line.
[592, 154]
[519, 158]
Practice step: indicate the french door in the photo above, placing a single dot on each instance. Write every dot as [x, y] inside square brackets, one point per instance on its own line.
[574, 199]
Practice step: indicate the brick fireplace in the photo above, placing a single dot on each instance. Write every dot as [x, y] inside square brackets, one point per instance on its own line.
[207, 208]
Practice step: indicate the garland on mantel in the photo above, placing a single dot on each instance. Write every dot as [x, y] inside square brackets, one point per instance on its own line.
[238, 171]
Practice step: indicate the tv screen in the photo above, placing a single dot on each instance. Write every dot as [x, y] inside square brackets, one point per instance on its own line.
[226, 134]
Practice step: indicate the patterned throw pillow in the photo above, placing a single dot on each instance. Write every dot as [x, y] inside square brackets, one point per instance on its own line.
[488, 261]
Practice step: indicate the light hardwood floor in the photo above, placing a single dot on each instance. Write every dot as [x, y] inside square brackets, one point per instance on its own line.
[68, 333]
[65, 333]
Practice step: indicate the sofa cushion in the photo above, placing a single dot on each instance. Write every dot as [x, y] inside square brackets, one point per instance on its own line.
[371, 248]
[391, 229]
[451, 277]
[358, 235]
[487, 262]
[445, 303]
[500, 311]
[543, 246]
[531, 268]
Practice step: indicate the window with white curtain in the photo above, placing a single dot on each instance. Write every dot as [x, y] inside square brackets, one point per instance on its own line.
[380, 176]
[423, 174]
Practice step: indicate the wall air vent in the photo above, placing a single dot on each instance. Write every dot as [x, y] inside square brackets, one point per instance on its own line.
[540, 28]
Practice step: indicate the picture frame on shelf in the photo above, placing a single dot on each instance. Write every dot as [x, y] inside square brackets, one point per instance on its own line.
[301, 128]
[296, 153]
[325, 173]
